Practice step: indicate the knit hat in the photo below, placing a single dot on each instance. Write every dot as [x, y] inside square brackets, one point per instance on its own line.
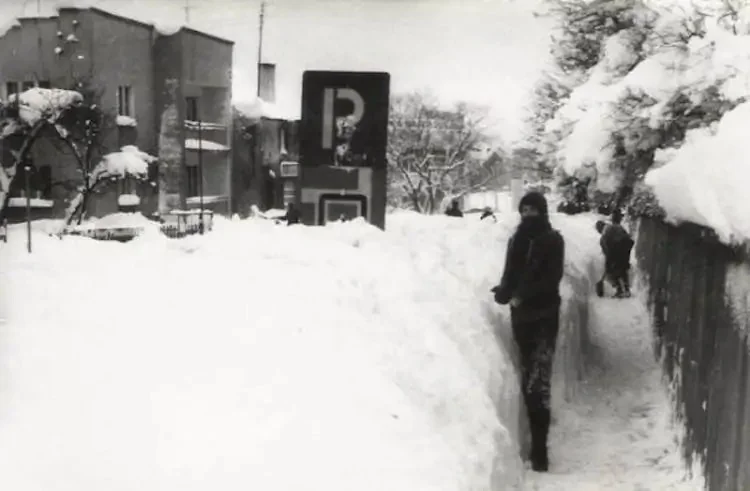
[535, 200]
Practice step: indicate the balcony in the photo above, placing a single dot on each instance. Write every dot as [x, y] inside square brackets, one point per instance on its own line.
[208, 132]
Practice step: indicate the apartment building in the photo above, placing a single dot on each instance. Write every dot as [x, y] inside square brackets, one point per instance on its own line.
[169, 93]
[266, 150]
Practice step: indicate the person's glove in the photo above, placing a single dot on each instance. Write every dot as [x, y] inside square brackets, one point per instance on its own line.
[501, 295]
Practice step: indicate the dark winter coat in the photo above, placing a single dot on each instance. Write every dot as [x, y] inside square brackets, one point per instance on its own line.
[454, 212]
[292, 216]
[616, 245]
[533, 272]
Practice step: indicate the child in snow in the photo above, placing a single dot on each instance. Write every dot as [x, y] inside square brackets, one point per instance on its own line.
[487, 213]
[531, 285]
[616, 245]
[454, 210]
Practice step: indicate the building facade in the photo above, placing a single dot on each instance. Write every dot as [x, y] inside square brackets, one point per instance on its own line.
[167, 93]
[266, 152]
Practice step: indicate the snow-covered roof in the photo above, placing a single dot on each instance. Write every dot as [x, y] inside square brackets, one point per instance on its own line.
[38, 103]
[260, 109]
[8, 25]
[208, 145]
[165, 25]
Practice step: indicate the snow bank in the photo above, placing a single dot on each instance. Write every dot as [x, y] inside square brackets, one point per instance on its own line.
[117, 221]
[349, 358]
[211, 146]
[705, 181]
[125, 121]
[37, 103]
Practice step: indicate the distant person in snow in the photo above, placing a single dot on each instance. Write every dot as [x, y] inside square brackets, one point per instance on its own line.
[487, 213]
[530, 283]
[616, 245]
[292, 215]
[454, 209]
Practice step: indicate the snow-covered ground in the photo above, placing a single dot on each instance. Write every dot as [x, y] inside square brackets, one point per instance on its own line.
[618, 433]
[305, 358]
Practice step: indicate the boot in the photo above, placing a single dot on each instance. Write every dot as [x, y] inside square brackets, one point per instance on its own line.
[540, 459]
[539, 455]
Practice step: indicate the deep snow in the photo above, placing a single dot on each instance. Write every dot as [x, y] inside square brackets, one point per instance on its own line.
[618, 433]
[279, 358]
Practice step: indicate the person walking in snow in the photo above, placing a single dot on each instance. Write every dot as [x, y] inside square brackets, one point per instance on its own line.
[530, 283]
[292, 215]
[616, 245]
[454, 210]
[487, 213]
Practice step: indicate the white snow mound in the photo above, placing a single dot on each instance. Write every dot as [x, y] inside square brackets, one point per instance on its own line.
[262, 357]
[705, 180]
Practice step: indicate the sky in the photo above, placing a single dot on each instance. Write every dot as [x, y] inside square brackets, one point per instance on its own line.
[487, 52]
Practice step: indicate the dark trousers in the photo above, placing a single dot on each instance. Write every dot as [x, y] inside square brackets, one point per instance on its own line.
[536, 344]
[618, 274]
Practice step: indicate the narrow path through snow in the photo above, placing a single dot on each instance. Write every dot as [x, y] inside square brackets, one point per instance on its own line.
[617, 433]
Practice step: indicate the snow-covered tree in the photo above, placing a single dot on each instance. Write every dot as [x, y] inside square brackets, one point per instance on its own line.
[83, 134]
[646, 73]
[432, 152]
[129, 162]
[23, 118]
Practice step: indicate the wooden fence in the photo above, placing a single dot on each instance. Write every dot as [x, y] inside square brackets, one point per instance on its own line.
[703, 344]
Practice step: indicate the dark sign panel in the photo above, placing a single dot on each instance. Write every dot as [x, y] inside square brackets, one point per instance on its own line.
[344, 119]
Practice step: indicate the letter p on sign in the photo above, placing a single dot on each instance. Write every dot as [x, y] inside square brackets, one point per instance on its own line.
[330, 96]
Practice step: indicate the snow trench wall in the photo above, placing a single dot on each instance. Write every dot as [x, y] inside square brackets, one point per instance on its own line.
[698, 297]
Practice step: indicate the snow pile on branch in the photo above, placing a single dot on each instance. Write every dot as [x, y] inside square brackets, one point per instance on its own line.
[656, 97]
[125, 121]
[129, 161]
[706, 180]
[44, 104]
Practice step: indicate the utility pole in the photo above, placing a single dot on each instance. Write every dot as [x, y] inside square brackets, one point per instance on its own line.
[260, 41]
[200, 172]
[187, 11]
[27, 179]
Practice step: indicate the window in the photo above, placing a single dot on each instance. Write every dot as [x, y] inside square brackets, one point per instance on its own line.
[289, 192]
[282, 140]
[192, 181]
[44, 84]
[127, 186]
[44, 180]
[26, 86]
[125, 101]
[191, 109]
[11, 88]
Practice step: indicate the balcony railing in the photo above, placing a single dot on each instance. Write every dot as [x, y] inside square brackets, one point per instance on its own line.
[215, 132]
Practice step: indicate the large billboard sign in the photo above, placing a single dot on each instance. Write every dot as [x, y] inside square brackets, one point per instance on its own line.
[343, 140]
